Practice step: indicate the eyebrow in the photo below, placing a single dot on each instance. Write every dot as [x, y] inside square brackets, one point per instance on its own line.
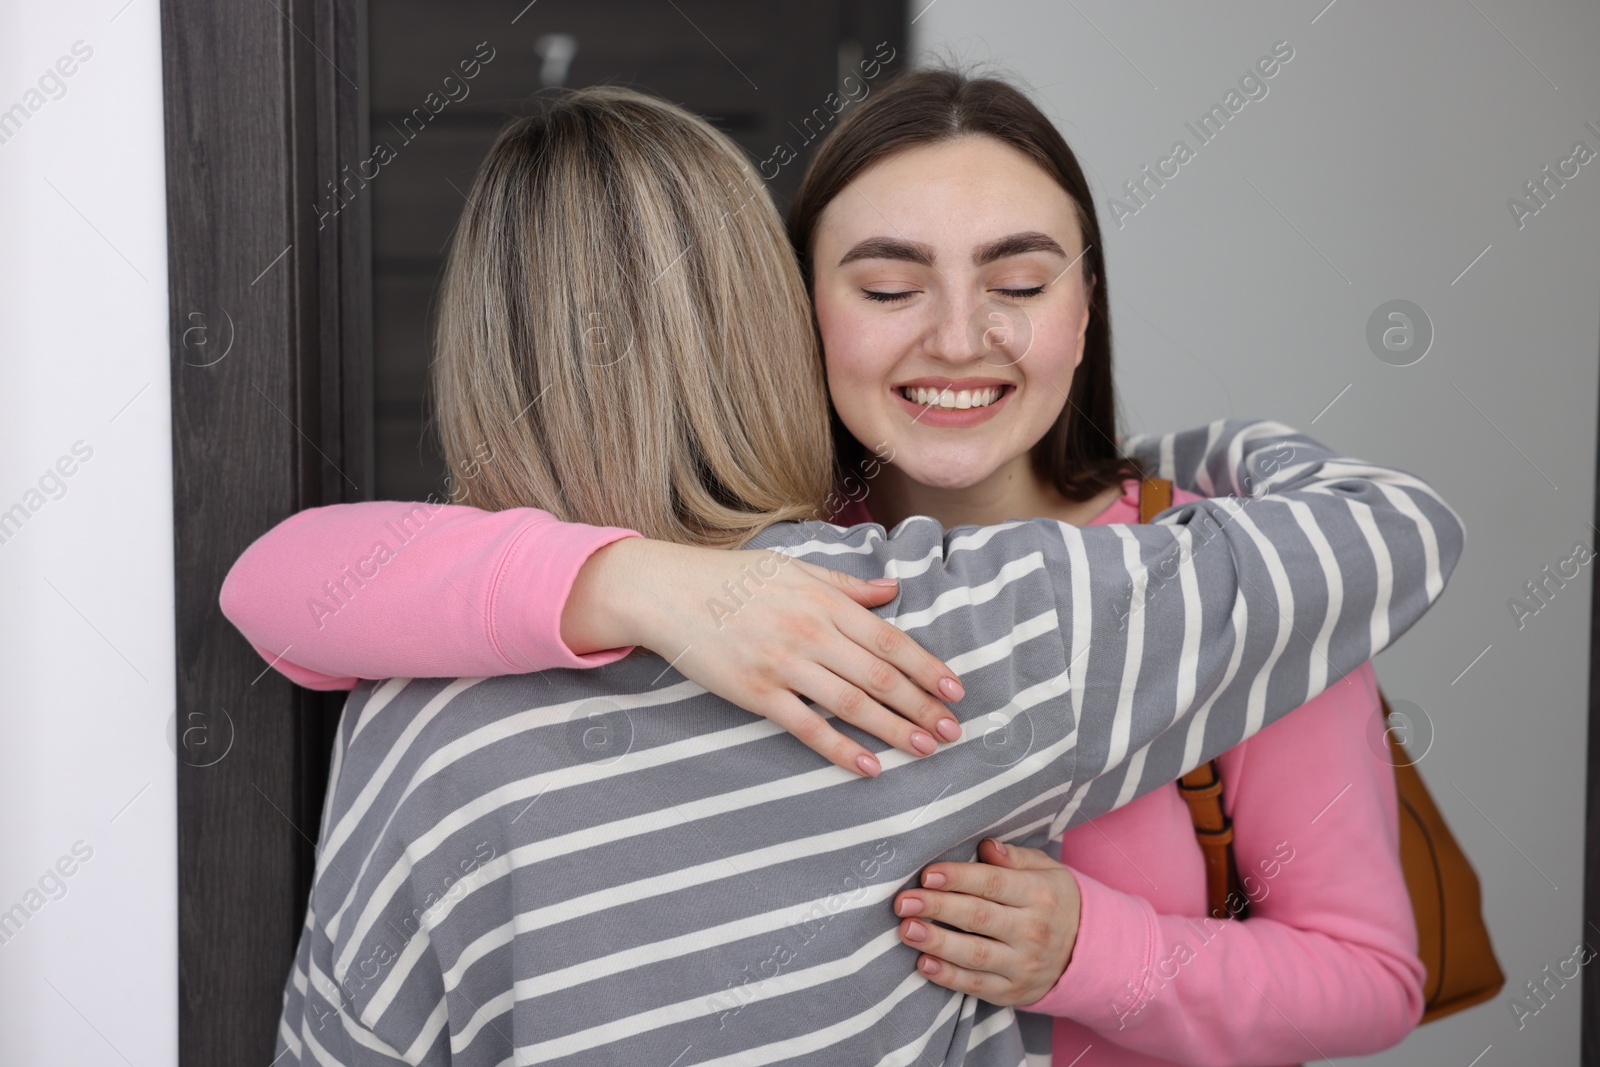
[890, 248]
[1015, 244]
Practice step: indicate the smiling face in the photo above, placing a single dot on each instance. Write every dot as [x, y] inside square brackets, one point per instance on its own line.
[951, 300]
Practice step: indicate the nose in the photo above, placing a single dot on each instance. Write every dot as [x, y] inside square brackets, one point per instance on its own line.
[952, 337]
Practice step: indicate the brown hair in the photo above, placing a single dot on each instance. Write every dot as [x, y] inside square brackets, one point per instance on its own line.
[1079, 454]
[624, 337]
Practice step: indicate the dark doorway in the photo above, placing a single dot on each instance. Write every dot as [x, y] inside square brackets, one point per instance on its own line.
[768, 75]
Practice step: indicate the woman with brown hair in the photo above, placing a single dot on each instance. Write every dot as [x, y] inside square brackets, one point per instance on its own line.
[617, 217]
[947, 201]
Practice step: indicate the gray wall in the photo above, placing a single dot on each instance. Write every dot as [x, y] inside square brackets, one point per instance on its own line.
[1378, 167]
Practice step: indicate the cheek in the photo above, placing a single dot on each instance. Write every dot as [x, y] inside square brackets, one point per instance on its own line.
[846, 362]
[858, 352]
[1052, 353]
[852, 385]
[1046, 371]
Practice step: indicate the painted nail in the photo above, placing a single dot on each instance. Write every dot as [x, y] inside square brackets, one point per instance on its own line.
[916, 932]
[882, 581]
[869, 766]
[923, 743]
[951, 689]
[933, 880]
[910, 906]
[948, 729]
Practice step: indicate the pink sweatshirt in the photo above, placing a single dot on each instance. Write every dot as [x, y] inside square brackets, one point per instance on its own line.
[1325, 966]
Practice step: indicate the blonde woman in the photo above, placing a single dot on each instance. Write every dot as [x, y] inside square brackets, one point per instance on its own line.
[614, 865]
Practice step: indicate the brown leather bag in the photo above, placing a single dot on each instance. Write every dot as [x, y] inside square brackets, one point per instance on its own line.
[1452, 939]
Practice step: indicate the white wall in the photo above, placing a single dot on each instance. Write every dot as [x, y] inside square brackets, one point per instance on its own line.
[86, 629]
[1378, 167]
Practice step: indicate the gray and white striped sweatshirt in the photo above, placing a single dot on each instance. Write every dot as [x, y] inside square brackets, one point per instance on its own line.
[615, 867]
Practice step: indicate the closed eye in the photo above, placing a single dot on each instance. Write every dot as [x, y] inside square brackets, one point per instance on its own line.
[887, 298]
[1020, 294]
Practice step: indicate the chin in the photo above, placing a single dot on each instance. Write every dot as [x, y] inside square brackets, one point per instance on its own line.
[949, 474]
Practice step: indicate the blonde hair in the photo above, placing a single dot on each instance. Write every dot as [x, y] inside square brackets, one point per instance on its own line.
[624, 337]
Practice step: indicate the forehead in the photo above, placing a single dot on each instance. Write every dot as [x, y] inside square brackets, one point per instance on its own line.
[953, 194]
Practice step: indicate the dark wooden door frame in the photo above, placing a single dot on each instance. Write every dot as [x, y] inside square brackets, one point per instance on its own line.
[269, 416]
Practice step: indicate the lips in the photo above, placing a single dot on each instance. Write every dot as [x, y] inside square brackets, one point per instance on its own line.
[949, 403]
[950, 399]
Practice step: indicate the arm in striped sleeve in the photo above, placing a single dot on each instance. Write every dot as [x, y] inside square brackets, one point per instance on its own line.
[1221, 617]
[1308, 567]
[1238, 609]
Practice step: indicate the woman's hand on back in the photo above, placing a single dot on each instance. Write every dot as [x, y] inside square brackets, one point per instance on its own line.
[768, 632]
[1008, 923]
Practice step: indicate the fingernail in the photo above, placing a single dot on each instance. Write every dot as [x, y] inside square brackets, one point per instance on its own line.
[882, 581]
[948, 729]
[932, 880]
[916, 932]
[951, 689]
[869, 766]
[923, 743]
[910, 906]
[928, 965]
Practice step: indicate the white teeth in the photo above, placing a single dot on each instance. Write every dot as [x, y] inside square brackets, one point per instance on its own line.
[946, 400]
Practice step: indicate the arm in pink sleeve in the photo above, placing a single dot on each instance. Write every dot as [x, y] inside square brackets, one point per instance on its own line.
[390, 589]
[1330, 936]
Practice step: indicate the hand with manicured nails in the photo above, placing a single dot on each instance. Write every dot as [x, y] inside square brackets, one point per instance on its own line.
[1014, 918]
[768, 632]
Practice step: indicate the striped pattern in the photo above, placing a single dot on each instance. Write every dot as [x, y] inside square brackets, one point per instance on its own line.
[614, 867]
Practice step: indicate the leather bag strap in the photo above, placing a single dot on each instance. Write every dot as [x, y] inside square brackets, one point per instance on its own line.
[1155, 496]
[1201, 788]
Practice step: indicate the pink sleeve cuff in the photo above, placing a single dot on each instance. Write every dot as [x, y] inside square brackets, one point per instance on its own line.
[538, 570]
[1117, 935]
